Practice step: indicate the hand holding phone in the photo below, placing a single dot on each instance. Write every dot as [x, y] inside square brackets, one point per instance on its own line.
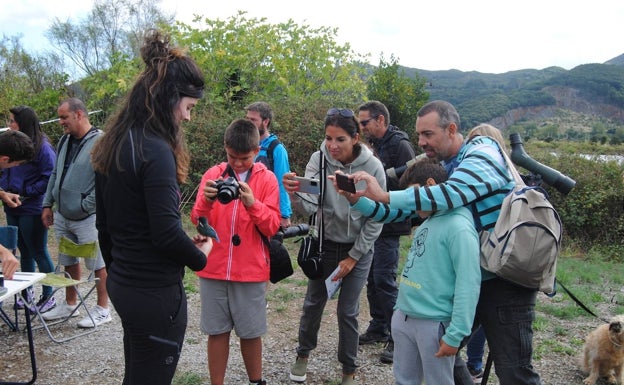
[345, 183]
[309, 185]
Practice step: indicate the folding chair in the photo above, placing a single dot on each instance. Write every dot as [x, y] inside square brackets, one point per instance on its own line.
[8, 239]
[62, 280]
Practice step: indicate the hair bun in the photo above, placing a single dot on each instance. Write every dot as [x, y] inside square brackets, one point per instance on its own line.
[155, 49]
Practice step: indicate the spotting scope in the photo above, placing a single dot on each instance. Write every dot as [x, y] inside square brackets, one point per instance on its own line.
[550, 176]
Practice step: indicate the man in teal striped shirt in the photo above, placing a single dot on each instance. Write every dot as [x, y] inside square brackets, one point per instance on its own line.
[478, 179]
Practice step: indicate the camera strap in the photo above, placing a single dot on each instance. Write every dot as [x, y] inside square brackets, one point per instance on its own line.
[318, 216]
[230, 172]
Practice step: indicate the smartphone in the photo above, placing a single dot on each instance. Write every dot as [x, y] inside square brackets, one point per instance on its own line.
[309, 185]
[344, 183]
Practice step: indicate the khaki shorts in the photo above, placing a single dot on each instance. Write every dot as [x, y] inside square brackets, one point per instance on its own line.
[83, 231]
[227, 305]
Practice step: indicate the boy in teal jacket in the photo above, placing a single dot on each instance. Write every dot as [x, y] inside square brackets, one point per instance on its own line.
[438, 289]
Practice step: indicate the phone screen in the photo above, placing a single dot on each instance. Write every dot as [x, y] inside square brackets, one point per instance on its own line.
[344, 183]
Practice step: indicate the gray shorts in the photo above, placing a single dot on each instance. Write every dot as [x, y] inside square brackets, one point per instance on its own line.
[80, 232]
[227, 305]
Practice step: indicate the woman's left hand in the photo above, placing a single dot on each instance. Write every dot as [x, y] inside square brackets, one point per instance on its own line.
[203, 243]
[346, 265]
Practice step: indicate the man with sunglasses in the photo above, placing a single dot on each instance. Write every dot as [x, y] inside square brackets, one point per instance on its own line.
[393, 147]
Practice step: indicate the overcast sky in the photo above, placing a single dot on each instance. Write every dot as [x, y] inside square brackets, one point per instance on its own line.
[489, 36]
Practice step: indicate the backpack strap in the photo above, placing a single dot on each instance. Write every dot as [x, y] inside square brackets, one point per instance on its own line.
[269, 152]
[509, 165]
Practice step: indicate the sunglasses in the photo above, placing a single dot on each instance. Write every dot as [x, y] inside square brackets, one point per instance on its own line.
[344, 112]
[363, 123]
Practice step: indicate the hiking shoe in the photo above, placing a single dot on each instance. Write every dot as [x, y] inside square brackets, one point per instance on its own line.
[372, 337]
[45, 304]
[100, 316]
[387, 356]
[348, 379]
[299, 369]
[477, 375]
[61, 310]
[19, 302]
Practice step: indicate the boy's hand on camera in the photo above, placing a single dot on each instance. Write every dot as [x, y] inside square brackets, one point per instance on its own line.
[210, 190]
[246, 194]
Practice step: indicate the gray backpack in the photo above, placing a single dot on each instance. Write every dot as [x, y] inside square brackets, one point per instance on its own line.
[524, 245]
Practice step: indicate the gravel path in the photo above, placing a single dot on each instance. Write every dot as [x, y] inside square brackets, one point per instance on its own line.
[98, 357]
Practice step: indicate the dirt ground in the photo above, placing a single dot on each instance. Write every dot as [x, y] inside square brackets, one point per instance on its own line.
[98, 357]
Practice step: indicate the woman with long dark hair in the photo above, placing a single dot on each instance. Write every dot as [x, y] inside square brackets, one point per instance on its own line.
[139, 164]
[23, 188]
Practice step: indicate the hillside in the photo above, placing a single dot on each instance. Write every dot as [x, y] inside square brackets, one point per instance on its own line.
[575, 99]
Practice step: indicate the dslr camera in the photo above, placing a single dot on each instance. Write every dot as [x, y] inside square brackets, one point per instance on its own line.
[227, 190]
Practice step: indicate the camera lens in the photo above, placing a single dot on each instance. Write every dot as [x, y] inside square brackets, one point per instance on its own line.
[227, 190]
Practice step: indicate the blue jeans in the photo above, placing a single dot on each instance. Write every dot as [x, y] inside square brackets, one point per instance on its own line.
[382, 288]
[475, 350]
[506, 313]
[32, 242]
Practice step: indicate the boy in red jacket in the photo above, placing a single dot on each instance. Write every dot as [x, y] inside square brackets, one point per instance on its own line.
[240, 199]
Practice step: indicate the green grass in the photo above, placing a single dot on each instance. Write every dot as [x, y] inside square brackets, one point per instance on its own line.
[187, 378]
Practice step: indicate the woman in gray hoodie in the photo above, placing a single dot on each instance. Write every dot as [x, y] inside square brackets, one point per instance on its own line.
[347, 243]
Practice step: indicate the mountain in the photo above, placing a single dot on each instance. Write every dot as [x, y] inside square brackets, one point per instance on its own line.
[618, 60]
[587, 94]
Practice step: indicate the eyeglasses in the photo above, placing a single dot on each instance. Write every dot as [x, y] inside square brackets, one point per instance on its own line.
[363, 123]
[344, 112]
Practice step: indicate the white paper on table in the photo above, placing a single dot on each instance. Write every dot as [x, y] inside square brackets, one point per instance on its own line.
[332, 286]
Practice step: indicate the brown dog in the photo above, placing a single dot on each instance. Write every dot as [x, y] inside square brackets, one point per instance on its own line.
[603, 353]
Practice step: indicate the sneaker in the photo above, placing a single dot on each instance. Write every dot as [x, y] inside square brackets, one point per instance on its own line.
[19, 302]
[387, 356]
[477, 375]
[100, 316]
[372, 337]
[348, 379]
[299, 369]
[62, 310]
[45, 304]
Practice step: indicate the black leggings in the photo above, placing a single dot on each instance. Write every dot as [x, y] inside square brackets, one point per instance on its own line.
[154, 323]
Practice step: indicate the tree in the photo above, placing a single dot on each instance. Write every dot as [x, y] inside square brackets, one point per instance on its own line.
[401, 94]
[301, 71]
[249, 58]
[113, 31]
[36, 81]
